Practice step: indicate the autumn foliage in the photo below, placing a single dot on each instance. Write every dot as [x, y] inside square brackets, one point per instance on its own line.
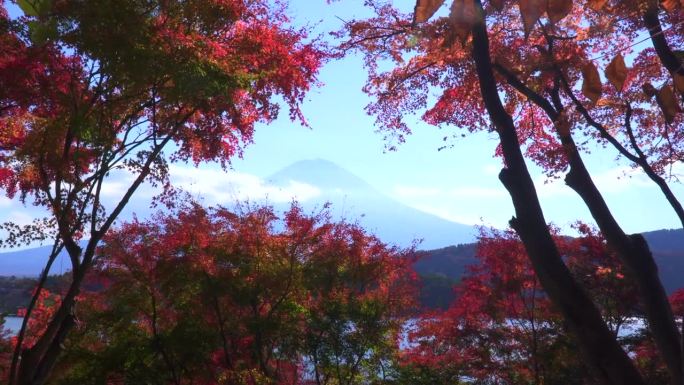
[100, 87]
[551, 79]
[213, 296]
[89, 89]
[502, 328]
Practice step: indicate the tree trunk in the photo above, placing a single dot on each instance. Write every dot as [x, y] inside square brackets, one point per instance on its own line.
[37, 362]
[662, 48]
[600, 350]
[638, 260]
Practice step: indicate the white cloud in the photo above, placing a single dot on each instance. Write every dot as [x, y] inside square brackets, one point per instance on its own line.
[451, 214]
[549, 188]
[619, 179]
[611, 181]
[464, 192]
[115, 188]
[416, 192]
[20, 218]
[477, 192]
[473, 205]
[491, 169]
[220, 186]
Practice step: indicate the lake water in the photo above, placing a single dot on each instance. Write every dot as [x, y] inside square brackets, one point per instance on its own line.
[13, 324]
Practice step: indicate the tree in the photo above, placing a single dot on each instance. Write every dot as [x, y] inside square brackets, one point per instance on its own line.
[502, 328]
[91, 88]
[516, 68]
[215, 296]
[5, 350]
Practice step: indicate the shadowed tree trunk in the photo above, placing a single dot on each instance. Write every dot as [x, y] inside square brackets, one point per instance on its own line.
[600, 350]
[632, 249]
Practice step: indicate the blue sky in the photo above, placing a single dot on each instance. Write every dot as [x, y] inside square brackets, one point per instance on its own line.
[459, 183]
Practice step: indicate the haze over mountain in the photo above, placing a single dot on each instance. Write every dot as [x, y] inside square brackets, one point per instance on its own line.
[31, 262]
[353, 199]
[667, 247]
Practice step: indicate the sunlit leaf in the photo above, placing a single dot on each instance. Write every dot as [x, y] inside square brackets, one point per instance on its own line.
[41, 32]
[563, 124]
[462, 18]
[497, 4]
[671, 5]
[678, 82]
[616, 72]
[591, 83]
[649, 90]
[668, 103]
[34, 7]
[28, 7]
[506, 62]
[531, 11]
[558, 9]
[425, 9]
[596, 5]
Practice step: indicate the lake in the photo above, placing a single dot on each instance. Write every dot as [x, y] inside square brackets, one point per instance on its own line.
[13, 324]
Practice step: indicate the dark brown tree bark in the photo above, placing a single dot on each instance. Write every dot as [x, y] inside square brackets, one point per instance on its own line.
[633, 250]
[37, 362]
[662, 48]
[637, 258]
[600, 350]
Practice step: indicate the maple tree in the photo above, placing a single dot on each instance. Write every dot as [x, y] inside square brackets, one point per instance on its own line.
[528, 70]
[92, 88]
[502, 327]
[213, 296]
[5, 350]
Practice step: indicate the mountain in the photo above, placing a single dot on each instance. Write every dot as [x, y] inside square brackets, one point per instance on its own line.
[440, 270]
[323, 174]
[353, 199]
[667, 247]
[30, 262]
[451, 262]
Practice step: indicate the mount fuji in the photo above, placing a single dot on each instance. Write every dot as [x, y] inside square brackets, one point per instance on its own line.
[350, 198]
[354, 200]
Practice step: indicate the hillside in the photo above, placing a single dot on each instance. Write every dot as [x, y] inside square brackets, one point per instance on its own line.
[31, 262]
[668, 250]
[451, 262]
[440, 269]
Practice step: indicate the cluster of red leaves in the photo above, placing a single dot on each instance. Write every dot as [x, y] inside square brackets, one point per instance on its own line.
[263, 299]
[432, 55]
[677, 302]
[107, 85]
[502, 326]
[46, 305]
[202, 72]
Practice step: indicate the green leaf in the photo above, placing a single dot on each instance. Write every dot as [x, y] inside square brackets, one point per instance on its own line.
[34, 7]
[30, 7]
[41, 32]
[412, 41]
